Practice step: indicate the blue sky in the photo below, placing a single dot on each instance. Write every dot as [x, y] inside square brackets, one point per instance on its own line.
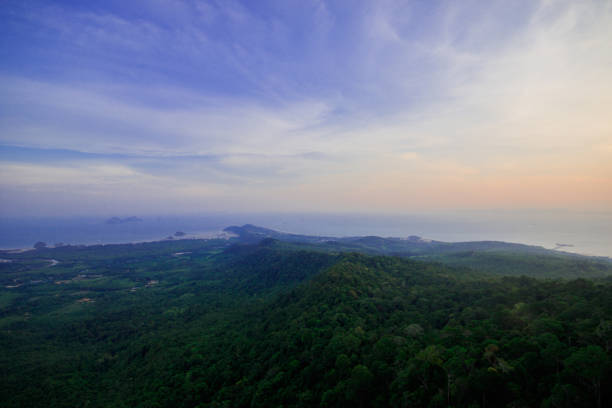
[188, 106]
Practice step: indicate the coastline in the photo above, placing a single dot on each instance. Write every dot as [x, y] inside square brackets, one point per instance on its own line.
[566, 249]
[590, 235]
[205, 235]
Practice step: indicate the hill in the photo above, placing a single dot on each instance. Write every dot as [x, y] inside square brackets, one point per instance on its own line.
[216, 323]
[492, 257]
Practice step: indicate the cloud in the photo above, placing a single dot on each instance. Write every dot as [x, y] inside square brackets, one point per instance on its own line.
[409, 156]
[98, 123]
[378, 105]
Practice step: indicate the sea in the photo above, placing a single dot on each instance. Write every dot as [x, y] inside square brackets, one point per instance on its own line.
[588, 233]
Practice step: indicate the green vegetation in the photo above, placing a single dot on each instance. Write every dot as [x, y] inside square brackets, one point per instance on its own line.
[247, 323]
[518, 264]
[491, 257]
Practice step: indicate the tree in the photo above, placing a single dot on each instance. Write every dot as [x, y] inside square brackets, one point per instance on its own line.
[588, 364]
[359, 384]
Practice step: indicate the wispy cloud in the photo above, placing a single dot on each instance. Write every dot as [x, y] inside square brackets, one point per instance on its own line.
[387, 105]
[98, 123]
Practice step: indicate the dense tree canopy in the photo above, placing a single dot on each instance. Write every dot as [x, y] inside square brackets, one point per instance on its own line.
[275, 324]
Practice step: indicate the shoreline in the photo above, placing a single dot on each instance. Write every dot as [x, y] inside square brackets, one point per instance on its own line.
[209, 235]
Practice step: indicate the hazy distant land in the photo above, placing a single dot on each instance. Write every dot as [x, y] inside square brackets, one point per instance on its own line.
[589, 234]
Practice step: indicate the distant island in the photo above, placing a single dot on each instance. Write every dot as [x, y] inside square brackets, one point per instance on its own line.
[117, 220]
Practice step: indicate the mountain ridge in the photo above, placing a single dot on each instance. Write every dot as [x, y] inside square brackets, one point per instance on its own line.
[493, 257]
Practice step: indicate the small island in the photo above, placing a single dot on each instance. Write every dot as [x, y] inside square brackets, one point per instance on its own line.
[117, 220]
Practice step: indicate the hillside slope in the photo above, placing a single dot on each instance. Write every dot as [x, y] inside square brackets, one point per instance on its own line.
[492, 257]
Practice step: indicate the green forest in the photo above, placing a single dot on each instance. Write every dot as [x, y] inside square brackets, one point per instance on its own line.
[263, 320]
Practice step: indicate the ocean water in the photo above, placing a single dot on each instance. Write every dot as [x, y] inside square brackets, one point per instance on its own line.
[579, 232]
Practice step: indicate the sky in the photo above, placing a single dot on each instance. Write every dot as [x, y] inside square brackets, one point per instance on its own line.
[172, 106]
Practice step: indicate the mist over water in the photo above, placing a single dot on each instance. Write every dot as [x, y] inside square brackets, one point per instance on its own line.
[585, 233]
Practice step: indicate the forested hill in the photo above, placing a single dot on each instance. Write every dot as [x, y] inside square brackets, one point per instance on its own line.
[379, 331]
[232, 324]
[492, 257]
